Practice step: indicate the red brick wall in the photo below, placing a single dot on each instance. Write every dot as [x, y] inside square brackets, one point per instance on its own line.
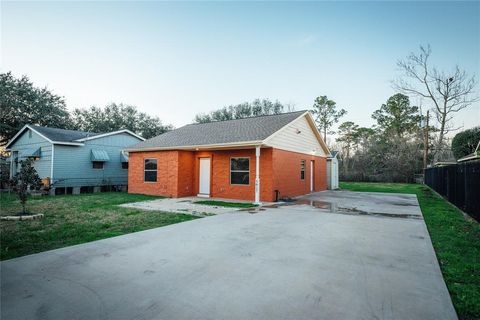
[178, 173]
[286, 173]
[167, 173]
[186, 173]
[220, 179]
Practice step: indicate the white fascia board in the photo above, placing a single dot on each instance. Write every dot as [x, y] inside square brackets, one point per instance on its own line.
[267, 139]
[68, 143]
[314, 128]
[19, 133]
[317, 133]
[474, 156]
[41, 135]
[111, 134]
[206, 146]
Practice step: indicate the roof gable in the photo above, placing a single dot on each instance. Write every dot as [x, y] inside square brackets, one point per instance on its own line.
[300, 135]
[254, 129]
[64, 136]
[101, 135]
[233, 133]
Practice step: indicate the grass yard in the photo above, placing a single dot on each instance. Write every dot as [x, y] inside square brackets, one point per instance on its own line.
[456, 241]
[74, 219]
[226, 204]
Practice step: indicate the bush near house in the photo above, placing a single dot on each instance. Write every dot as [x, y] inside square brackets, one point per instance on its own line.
[455, 238]
[27, 179]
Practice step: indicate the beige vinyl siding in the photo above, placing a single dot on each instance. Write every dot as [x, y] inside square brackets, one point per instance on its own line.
[289, 139]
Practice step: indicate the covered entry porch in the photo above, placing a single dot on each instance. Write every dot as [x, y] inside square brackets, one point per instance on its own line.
[242, 173]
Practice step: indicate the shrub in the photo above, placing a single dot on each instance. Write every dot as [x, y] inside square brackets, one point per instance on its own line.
[26, 179]
[465, 142]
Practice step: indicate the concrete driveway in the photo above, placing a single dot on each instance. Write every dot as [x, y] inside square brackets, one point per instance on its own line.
[349, 256]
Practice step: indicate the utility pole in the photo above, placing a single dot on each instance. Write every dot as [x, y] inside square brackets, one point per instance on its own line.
[425, 141]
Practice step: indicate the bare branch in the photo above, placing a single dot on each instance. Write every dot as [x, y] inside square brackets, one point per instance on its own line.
[449, 92]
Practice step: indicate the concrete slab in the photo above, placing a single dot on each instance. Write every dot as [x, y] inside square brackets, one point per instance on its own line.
[184, 205]
[371, 203]
[290, 262]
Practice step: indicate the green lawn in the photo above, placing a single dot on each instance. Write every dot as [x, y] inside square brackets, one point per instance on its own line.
[226, 204]
[456, 241]
[74, 219]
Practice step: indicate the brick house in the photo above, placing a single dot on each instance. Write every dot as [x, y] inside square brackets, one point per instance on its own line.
[257, 159]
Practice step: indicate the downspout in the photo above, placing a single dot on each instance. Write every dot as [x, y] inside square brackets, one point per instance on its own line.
[11, 164]
[51, 167]
[257, 176]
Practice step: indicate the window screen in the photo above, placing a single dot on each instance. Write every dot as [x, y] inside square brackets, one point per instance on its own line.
[97, 164]
[150, 170]
[240, 171]
[302, 169]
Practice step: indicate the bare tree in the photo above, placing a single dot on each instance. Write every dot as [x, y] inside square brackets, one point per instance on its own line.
[449, 92]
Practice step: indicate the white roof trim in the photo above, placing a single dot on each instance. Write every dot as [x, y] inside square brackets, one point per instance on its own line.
[203, 146]
[19, 133]
[276, 132]
[68, 143]
[112, 133]
[241, 143]
[469, 157]
[317, 133]
[314, 128]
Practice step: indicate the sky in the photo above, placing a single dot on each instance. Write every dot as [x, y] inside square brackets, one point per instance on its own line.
[176, 59]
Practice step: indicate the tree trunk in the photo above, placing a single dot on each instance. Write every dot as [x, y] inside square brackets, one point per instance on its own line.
[441, 135]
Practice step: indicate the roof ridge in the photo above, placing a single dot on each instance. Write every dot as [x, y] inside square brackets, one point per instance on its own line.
[252, 117]
[71, 130]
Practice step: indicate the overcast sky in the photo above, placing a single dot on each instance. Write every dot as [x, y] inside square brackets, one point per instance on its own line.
[174, 60]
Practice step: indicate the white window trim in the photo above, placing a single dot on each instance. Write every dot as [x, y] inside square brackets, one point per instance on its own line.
[304, 169]
[230, 175]
[156, 170]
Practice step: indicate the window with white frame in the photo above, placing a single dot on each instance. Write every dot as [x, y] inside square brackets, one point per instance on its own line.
[302, 169]
[240, 171]
[150, 170]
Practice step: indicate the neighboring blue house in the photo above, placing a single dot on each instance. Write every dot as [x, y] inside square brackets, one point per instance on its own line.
[73, 161]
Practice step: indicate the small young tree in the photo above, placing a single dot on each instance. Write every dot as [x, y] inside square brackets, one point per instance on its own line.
[24, 180]
[326, 114]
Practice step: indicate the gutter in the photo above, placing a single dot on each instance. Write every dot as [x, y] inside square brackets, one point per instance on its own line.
[195, 147]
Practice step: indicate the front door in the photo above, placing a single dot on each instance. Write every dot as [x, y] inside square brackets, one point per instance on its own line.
[311, 176]
[204, 179]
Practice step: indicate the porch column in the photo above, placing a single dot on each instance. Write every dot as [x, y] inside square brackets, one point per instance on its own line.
[257, 176]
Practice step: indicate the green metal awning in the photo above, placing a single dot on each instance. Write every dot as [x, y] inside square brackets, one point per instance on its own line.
[123, 157]
[99, 155]
[36, 154]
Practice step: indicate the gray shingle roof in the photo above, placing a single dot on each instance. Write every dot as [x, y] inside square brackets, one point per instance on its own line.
[219, 132]
[62, 135]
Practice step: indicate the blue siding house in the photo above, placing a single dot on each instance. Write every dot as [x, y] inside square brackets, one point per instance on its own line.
[70, 161]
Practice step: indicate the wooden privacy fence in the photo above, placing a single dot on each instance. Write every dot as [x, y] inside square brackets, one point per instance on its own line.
[459, 183]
